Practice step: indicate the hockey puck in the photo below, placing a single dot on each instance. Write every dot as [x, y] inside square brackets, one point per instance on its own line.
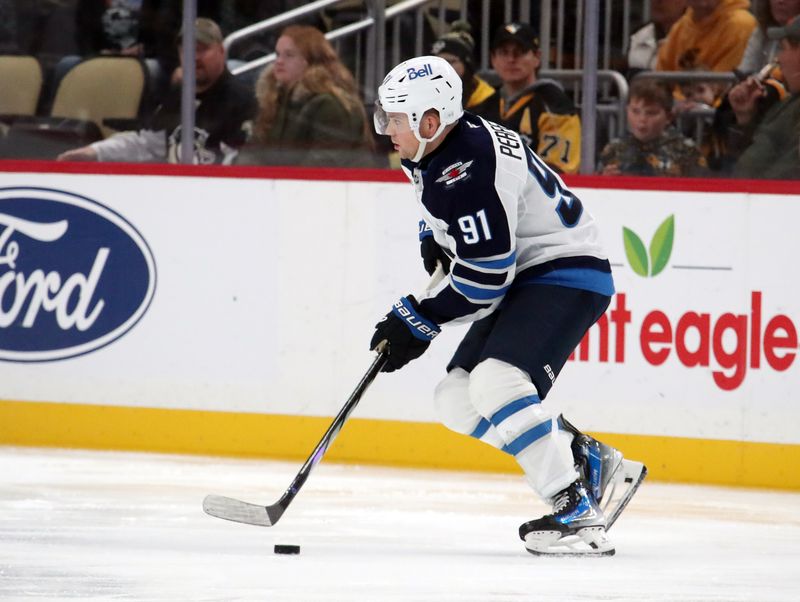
[286, 549]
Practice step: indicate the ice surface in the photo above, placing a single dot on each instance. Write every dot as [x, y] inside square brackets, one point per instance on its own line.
[99, 526]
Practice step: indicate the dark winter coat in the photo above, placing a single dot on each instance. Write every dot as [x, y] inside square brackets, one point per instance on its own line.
[774, 151]
[312, 129]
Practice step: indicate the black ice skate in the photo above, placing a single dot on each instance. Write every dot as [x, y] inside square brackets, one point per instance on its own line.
[611, 479]
[576, 527]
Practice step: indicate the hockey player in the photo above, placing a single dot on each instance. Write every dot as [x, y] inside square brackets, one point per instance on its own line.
[525, 266]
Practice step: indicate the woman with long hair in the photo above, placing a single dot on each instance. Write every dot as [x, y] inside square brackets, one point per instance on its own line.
[310, 112]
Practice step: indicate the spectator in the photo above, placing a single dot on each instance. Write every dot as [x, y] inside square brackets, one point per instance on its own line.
[135, 28]
[109, 27]
[769, 143]
[759, 61]
[700, 94]
[233, 15]
[713, 33]
[652, 147]
[697, 94]
[309, 109]
[760, 50]
[458, 48]
[223, 112]
[536, 108]
[646, 41]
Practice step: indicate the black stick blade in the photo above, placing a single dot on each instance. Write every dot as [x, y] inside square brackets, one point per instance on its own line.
[238, 511]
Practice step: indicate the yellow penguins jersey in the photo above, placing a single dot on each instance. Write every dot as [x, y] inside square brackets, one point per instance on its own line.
[545, 117]
[482, 90]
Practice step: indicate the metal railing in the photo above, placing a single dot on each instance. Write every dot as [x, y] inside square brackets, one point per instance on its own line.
[374, 25]
[273, 22]
[607, 112]
[379, 13]
[555, 21]
[618, 20]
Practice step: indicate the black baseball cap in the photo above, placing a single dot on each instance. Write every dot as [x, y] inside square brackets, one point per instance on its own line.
[791, 30]
[520, 33]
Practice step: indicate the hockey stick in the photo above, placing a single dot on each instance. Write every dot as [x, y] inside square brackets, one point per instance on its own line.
[266, 516]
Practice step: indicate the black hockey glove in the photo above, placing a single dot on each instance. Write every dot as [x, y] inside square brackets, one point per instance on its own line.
[431, 251]
[406, 331]
[431, 254]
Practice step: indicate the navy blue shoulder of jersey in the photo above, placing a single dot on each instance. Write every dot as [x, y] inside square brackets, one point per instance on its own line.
[459, 190]
[459, 180]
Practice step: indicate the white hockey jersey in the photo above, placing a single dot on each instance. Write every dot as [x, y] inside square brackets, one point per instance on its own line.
[505, 218]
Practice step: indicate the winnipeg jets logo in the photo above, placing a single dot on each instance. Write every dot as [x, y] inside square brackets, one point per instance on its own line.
[454, 173]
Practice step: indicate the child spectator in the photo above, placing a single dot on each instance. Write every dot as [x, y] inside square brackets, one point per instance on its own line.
[697, 94]
[458, 48]
[310, 112]
[651, 147]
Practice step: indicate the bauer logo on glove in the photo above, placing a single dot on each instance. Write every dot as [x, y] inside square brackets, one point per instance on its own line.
[406, 331]
[419, 327]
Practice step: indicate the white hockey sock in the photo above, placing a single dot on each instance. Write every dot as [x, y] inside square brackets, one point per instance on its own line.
[548, 463]
[507, 397]
[486, 432]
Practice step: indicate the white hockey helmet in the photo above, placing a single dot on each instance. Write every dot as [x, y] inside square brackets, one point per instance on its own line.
[418, 85]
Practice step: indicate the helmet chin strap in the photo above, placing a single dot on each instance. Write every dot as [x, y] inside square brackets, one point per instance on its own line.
[423, 142]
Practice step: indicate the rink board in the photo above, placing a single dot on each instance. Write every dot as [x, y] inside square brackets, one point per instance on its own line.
[245, 321]
[369, 441]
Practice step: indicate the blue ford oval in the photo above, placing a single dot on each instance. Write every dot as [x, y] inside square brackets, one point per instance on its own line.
[74, 275]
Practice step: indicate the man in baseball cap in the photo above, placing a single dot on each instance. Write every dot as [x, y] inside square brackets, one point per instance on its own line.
[519, 33]
[206, 32]
[536, 108]
[223, 109]
[210, 58]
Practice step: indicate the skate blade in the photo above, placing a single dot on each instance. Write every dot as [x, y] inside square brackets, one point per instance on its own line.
[626, 480]
[589, 541]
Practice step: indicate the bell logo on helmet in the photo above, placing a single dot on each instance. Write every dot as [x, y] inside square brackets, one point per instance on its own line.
[421, 72]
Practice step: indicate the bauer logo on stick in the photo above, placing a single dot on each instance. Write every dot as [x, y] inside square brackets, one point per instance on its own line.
[74, 275]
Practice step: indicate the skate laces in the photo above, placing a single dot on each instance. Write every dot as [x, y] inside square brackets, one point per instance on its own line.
[561, 501]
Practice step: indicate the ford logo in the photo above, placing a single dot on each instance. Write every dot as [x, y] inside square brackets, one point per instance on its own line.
[74, 275]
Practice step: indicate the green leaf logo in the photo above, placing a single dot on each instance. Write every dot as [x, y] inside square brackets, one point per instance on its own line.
[661, 245]
[635, 251]
[653, 263]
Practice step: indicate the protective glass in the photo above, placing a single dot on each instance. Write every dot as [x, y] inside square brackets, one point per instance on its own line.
[381, 120]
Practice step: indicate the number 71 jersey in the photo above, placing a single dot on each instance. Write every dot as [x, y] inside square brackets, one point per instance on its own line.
[505, 218]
